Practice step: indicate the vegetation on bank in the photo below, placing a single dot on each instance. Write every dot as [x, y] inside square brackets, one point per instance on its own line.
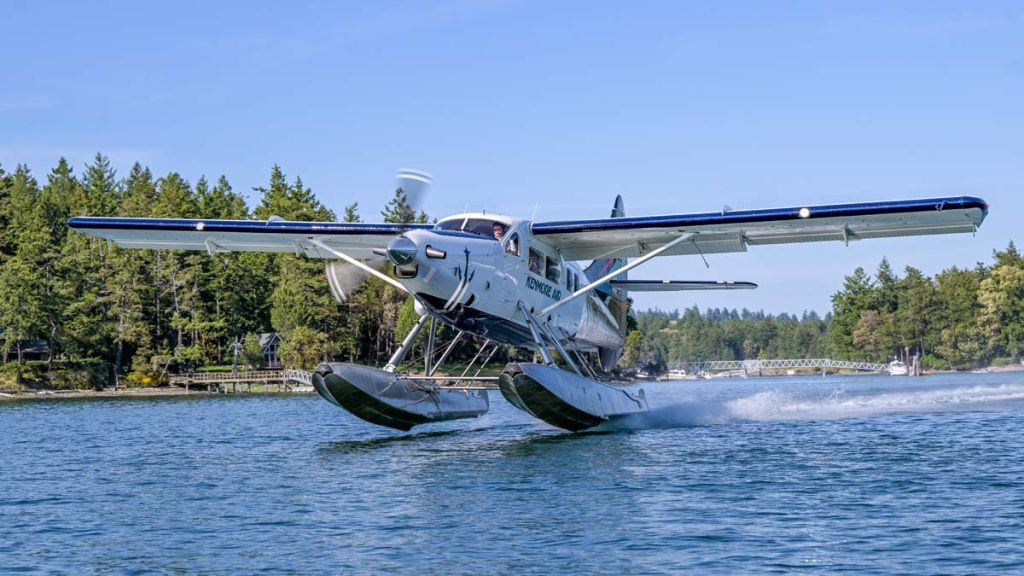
[959, 319]
[145, 314]
[142, 315]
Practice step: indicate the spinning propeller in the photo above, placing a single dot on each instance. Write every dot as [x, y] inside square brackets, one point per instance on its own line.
[344, 278]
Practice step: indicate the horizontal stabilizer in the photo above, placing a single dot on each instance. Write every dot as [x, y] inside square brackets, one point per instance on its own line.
[673, 285]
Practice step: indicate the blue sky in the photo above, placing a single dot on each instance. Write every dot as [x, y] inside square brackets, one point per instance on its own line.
[679, 106]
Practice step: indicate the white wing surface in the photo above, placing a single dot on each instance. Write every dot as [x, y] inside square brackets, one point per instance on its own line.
[355, 239]
[734, 231]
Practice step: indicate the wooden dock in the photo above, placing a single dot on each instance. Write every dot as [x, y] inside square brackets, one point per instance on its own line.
[281, 381]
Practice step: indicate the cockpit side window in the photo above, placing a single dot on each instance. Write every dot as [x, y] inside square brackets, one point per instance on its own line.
[536, 262]
[512, 244]
[554, 271]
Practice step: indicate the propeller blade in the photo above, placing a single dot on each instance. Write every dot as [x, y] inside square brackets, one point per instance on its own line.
[415, 185]
[344, 278]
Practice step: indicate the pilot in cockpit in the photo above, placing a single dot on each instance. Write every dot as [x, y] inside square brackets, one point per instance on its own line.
[512, 246]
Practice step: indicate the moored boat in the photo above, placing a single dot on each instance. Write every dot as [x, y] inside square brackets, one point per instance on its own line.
[898, 368]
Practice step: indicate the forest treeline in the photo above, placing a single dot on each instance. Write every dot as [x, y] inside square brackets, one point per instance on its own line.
[960, 319]
[152, 312]
[146, 313]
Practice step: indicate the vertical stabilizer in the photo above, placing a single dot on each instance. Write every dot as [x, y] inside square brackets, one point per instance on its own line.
[614, 298]
[599, 268]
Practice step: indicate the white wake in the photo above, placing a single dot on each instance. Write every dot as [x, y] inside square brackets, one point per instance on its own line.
[772, 405]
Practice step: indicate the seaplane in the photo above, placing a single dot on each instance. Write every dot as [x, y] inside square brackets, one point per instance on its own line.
[558, 288]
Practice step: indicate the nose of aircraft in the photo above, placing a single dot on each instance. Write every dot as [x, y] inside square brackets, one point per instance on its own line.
[401, 251]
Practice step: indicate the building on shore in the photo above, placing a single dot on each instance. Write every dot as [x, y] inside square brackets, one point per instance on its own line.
[269, 343]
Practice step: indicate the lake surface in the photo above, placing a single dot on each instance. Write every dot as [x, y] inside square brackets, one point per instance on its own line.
[865, 475]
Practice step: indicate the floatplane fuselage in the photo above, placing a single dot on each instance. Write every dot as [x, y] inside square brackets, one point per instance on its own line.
[489, 276]
[510, 281]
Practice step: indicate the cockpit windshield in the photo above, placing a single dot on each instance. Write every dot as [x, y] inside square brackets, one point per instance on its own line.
[491, 229]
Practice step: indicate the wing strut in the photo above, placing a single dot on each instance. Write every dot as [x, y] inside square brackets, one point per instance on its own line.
[447, 351]
[682, 238]
[399, 354]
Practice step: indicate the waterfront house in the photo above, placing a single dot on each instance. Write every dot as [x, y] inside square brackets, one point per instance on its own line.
[269, 344]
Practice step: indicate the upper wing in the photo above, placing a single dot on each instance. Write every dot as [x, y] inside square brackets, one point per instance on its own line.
[355, 239]
[733, 231]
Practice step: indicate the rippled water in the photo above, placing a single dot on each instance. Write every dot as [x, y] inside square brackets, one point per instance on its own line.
[859, 474]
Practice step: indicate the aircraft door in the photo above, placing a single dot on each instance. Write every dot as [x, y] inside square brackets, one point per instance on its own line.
[514, 248]
[510, 244]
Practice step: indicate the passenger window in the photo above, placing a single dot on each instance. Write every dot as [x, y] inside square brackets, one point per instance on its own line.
[554, 271]
[536, 262]
[512, 245]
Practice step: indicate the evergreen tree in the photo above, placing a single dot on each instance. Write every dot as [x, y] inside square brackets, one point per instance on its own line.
[295, 202]
[236, 287]
[139, 196]
[6, 242]
[131, 281]
[1008, 257]
[399, 211]
[98, 194]
[857, 295]
[177, 277]
[25, 309]
[274, 199]
[301, 297]
[54, 206]
[352, 213]
[56, 197]
[917, 309]
[85, 267]
[886, 283]
[220, 201]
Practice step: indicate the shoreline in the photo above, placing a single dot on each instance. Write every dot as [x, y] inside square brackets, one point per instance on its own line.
[175, 392]
[161, 392]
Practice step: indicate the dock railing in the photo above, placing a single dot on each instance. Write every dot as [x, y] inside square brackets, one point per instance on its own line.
[282, 380]
[757, 366]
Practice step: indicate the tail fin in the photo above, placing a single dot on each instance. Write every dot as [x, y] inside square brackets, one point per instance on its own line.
[599, 268]
[614, 298]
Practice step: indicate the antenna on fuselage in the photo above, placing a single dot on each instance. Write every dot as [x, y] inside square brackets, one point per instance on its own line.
[533, 216]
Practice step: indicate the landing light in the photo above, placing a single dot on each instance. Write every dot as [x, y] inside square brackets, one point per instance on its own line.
[805, 212]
